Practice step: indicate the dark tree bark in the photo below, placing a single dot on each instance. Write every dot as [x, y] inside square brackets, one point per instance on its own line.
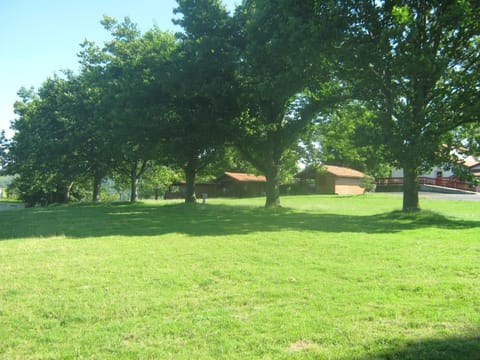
[272, 187]
[62, 195]
[410, 190]
[133, 186]
[137, 169]
[190, 174]
[97, 185]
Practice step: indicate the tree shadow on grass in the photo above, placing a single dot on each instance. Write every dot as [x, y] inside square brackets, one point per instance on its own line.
[451, 348]
[92, 220]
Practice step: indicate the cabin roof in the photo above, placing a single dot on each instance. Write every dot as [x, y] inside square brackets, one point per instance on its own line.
[344, 171]
[471, 161]
[243, 177]
[338, 171]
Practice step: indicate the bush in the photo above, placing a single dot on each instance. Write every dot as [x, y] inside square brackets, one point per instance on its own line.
[368, 183]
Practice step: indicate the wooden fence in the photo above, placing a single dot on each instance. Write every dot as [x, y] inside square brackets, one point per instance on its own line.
[448, 182]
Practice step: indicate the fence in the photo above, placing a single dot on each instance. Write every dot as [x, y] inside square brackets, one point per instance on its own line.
[453, 183]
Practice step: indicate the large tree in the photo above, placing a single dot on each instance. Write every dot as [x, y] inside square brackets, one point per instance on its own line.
[44, 151]
[93, 130]
[201, 86]
[414, 62]
[287, 77]
[130, 73]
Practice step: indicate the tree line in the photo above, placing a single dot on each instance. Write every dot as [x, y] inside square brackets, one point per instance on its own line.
[361, 83]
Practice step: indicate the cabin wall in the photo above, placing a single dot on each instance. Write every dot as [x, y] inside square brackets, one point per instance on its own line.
[210, 189]
[241, 189]
[325, 184]
[348, 186]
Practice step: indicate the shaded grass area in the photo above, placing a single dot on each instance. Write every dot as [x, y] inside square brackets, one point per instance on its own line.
[219, 218]
[447, 348]
[325, 277]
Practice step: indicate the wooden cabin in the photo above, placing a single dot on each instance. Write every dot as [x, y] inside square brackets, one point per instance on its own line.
[229, 184]
[330, 179]
[232, 184]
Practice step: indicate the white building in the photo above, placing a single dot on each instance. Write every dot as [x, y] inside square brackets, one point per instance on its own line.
[441, 176]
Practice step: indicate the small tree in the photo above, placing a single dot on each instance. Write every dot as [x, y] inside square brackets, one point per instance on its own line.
[156, 181]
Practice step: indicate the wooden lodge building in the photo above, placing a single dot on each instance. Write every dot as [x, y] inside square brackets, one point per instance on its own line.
[330, 180]
[229, 184]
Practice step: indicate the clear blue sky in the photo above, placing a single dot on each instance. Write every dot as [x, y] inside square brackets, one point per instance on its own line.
[41, 37]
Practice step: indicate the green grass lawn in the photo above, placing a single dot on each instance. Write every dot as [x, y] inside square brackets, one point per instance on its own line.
[325, 277]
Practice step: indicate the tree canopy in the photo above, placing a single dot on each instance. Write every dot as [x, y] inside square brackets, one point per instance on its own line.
[287, 78]
[202, 88]
[355, 83]
[414, 63]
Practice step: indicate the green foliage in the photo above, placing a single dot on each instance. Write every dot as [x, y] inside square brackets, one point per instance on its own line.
[134, 67]
[415, 64]
[468, 136]
[3, 150]
[6, 180]
[286, 79]
[156, 180]
[230, 160]
[463, 172]
[202, 86]
[354, 83]
[7, 186]
[368, 183]
[347, 137]
[401, 14]
[45, 152]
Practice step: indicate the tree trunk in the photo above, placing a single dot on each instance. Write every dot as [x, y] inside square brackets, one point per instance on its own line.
[63, 193]
[273, 186]
[190, 174]
[133, 184]
[410, 190]
[138, 168]
[97, 185]
[67, 192]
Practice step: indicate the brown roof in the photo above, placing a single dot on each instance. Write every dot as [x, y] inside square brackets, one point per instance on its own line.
[471, 161]
[245, 177]
[343, 171]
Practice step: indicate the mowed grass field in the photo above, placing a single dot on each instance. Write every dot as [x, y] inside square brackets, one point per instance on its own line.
[325, 277]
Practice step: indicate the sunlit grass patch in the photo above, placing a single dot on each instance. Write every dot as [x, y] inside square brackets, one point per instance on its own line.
[324, 277]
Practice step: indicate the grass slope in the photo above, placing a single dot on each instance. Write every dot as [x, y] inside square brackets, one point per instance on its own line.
[325, 277]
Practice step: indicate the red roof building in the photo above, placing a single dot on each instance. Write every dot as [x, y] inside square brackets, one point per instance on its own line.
[242, 177]
[241, 185]
[229, 184]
